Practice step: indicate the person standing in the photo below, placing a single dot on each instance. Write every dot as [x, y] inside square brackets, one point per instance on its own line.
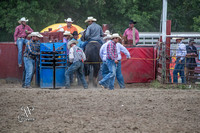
[131, 33]
[111, 62]
[180, 61]
[20, 35]
[32, 51]
[190, 60]
[66, 38]
[77, 58]
[103, 53]
[93, 32]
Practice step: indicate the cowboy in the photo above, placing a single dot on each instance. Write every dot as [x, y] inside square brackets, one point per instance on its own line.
[131, 33]
[111, 62]
[69, 27]
[180, 61]
[20, 35]
[190, 60]
[32, 51]
[66, 38]
[77, 58]
[93, 32]
[103, 53]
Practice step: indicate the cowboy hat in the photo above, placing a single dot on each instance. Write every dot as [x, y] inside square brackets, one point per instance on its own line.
[69, 20]
[132, 22]
[115, 35]
[90, 19]
[71, 42]
[35, 34]
[107, 37]
[107, 32]
[178, 38]
[67, 33]
[23, 19]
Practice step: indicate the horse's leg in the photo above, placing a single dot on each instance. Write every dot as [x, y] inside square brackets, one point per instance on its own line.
[96, 68]
[87, 72]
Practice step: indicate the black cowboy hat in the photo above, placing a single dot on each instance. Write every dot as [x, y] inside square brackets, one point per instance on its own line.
[75, 33]
[132, 22]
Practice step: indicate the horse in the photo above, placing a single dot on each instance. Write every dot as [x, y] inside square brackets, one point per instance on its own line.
[93, 60]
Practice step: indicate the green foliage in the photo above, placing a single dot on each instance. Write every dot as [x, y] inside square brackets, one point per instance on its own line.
[117, 13]
[196, 25]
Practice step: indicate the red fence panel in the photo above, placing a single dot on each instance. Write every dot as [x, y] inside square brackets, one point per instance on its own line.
[141, 67]
[9, 61]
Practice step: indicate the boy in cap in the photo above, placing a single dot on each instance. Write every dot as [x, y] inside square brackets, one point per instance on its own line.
[20, 35]
[32, 51]
[77, 58]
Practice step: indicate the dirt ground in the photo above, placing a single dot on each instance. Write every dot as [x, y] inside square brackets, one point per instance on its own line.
[136, 109]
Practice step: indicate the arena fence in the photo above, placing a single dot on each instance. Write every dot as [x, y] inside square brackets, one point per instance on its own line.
[166, 61]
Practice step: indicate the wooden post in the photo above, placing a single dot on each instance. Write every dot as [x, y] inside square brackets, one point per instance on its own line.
[168, 32]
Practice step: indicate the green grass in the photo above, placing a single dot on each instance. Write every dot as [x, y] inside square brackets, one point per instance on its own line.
[158, 85]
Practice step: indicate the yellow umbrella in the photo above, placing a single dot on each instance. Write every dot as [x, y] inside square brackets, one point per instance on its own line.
[60, 25]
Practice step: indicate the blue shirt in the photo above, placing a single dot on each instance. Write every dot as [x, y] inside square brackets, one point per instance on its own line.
[94, 32]
[181, 51]
[120, 48]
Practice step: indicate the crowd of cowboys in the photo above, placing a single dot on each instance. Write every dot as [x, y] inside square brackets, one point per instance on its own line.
[110, 51]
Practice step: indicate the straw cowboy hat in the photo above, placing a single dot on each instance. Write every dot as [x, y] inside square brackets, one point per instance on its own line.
[90, 19]
[107, 32]
[115, 35]
[71, 42]
[69, 20]
[35, 34]
[67, 33]
[107, 37]
[23, 19]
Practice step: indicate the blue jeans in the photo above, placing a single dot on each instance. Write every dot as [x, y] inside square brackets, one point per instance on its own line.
[179, 68]
[86, 42]
[29, 70]
[110, 77]
[119, 75]
[20, 43]
[76, 66]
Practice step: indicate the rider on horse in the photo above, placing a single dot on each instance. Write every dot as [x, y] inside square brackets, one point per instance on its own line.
[93, 32]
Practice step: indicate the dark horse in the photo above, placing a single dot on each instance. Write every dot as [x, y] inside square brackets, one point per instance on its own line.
[93, 60]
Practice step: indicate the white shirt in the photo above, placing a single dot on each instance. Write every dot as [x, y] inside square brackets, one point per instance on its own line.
[120, 48]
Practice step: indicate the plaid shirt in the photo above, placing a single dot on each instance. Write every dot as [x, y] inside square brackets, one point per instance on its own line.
[32, 49]
[20, 31]
[112, 51]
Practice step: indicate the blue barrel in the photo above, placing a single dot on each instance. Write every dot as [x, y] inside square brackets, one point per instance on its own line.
[53, 61]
